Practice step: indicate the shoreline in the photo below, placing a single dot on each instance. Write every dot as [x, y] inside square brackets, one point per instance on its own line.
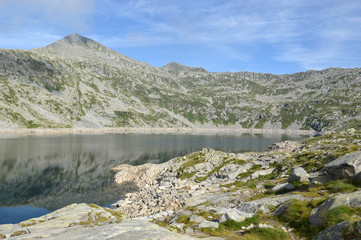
[120, 130]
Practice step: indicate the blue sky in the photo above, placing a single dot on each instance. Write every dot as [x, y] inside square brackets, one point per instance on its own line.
[278, 36]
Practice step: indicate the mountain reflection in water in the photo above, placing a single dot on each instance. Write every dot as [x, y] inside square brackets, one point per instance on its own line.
[54, 171]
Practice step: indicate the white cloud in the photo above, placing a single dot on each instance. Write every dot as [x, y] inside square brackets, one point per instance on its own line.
[308, 33]
[66, 14]
[311, 33]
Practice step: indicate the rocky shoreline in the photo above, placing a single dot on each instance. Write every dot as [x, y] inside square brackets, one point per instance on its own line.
[206, 192]
[297, 190]
[230, 130]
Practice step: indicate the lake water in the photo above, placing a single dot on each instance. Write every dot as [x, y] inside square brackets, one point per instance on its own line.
[40, 174]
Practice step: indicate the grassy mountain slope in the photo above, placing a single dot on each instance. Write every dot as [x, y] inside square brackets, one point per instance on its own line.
[77, 82]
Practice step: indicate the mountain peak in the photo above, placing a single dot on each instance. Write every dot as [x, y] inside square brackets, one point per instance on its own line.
[77, 39]
[74, 44]
[177, 67]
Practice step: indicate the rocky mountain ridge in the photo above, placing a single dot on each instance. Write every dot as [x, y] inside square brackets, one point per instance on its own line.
[76, 82]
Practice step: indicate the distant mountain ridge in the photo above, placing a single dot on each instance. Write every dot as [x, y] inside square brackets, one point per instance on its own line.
[77, 82]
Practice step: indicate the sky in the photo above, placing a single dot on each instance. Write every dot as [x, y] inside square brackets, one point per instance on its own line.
[269, 36]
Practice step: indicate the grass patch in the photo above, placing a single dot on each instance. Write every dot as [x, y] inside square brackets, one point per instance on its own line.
[265, 234]
[340, 186]
[253, 169]
[185, 175]
[234, 225]
[221, 232]
[18, 233]
[31, 124]
[193, 159]
[340, 214]
[209, 215]
[296, 216]
[183, 219]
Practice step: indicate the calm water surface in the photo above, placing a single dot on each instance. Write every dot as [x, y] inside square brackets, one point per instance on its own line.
[42, 174]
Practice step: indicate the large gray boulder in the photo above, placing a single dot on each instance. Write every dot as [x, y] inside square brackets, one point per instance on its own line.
[197, 219]
[283, 187]
[341, 231]
[298, 175]
[267, 204]
[348, 199]
[208, 224]
[345, 167]
[235, 214]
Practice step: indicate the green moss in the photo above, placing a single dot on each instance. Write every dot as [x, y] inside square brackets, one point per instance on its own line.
[261, 123]
[115, 213]
[18, 233]
[31, 124]
[185, 175]
[30, 223]
[247, 124]
[183, 219]
[93, 205]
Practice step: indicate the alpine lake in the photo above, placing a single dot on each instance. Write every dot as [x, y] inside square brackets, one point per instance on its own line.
[40, 174]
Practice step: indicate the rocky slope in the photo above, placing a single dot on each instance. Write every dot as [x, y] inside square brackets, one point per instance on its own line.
[77, 82]
[82, 221]
[298, 190]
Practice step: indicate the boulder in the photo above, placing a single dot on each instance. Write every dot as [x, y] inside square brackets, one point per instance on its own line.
[208, 224]
[235, 214]
[197, 219]
[348, 199]
[298, 175]
[267, 204]
[283, 187]
[286, 146]
[231, 170]
[319, 178]
[345, 167]
[140, 175]
[259, 173]
[341, 231]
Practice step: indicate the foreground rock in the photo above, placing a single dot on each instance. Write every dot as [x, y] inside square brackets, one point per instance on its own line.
[298, 175]
[352, 200]
[82, 221]
[345, 167]
[341, 231]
